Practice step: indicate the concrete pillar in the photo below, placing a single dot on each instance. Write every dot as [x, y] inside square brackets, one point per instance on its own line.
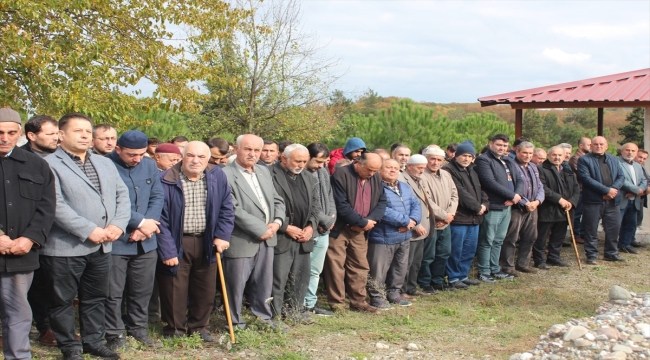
[644, 233]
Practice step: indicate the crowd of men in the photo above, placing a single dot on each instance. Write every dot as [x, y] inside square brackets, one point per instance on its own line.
[130, 228]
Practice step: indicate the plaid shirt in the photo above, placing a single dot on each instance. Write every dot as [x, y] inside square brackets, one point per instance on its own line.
[87, 168]
[195, 194]
[394, 187]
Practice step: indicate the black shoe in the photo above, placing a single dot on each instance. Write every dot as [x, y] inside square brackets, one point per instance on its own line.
[443, 287]
[459, 285]
[542, 266]
[567, 244]
[207, 337]
[115, 342]
[145, 340]
[637, 244]
[591, 262]
[559, 263]
[615, 258]
[629, 250]
[102, 352]
[317, 310]
[429, 290]
[73, 355]
[471, 282]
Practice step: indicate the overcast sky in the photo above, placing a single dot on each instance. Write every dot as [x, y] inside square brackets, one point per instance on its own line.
[449, 51]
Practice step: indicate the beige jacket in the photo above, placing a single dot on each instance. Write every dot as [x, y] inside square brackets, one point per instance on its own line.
[443, 192]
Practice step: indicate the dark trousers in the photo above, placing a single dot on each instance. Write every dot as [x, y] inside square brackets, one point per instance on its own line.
[195, 279]
[610, 215]
[135, 274]
[437, 248]
[346, 269]
[253, 277]
[578, 225]
[388, 266]
[519, 240]
[416, 251]
[629, 216]
[38, 296]
[84, 275]
[291, 273]
[154, 303]
[557, 232]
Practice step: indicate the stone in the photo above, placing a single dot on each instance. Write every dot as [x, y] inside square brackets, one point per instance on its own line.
[637, 338]
[581, 343]
[556, 330]
[619, 355]
[602, 337]
[644, 329]
[381, 346]
[589, 336]
[575, 332]
[624, 348]
[514, 356]
[619, 293]
[611, 333]
[412, 347]
[525, 356]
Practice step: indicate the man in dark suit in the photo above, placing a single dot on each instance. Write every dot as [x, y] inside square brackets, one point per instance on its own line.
[291, 263]
[259, 213]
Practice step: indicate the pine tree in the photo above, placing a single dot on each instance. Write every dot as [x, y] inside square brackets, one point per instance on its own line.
[633, 132]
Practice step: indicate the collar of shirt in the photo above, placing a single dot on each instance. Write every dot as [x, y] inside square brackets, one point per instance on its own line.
[76, 157]
[289, 174]
[9, 153]
[241, 168]
[184, 177]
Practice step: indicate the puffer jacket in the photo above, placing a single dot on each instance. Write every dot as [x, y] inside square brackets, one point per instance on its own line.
[399, 212]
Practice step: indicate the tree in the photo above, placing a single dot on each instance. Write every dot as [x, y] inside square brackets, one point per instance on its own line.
[59, 56]
[276, 68]
[587, 118]
[633, 131]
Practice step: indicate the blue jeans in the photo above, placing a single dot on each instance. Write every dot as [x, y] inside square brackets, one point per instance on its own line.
[629, 216]
[464, 239]
[490, 238]
[321, 243]
[437, 248]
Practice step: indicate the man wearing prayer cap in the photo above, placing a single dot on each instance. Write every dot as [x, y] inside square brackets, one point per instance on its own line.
[166, 156]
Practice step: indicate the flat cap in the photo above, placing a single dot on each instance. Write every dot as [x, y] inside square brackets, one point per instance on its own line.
[8, 114]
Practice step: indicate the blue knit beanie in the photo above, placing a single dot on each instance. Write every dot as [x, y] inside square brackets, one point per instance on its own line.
[466, 147]
[353, 144]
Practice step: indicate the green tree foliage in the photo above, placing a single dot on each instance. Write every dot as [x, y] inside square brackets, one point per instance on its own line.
[633, 131]
[587, 118]
[278, 71]
[414, 125]
[163, 124]
[77, 55]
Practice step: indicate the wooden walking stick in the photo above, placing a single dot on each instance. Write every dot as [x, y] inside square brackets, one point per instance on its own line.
[225, 299]
[575, 246]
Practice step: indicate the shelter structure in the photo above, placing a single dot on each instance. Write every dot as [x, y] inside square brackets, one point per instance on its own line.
[625, 90]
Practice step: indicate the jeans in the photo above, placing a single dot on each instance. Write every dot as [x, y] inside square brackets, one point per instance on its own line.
[464, 239]
[610, 215]
[490, 238]
[437, 248]
[317, 260]
[629, 216]
[87, 275]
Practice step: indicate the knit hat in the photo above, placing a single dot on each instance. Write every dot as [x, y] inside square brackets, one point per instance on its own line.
[8, 114]
[432, 151]
[353, 144]
[417, 159]
[167, 148]
[133, 139]
[466, 147]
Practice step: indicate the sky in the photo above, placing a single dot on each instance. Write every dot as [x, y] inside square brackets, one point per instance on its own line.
[458, 51]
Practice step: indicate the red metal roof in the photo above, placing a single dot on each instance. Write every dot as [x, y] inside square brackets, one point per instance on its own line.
[625, 89]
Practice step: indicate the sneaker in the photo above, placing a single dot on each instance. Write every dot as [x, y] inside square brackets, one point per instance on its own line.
[72, 355]
[591, 262]
[559, 263]
[429, 290]
[471, 282]
[400, 301]
[512, 272]
[366, 308]
[502, 276]
[102, 352]
[46, 338]
[381, 305]
[542, 266]
[115, 342]
[319, 311]
[486, 278]
[526, 269]
[459, 285]
[443, 287]
[628, 250]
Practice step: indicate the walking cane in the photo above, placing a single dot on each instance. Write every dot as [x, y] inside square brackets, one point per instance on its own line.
[225, 299]
[575, 246]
